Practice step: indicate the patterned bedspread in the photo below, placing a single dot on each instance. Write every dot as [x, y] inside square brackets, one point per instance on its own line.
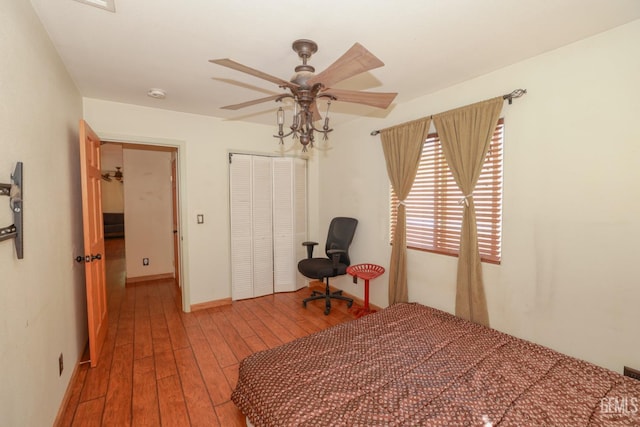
[414, 365]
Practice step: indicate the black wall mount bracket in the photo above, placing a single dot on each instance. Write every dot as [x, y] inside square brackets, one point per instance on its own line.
[15, 193]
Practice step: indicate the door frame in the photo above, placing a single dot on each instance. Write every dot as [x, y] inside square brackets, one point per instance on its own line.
[180, 149]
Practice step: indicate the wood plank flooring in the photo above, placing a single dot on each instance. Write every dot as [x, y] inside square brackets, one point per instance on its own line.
[162, 367]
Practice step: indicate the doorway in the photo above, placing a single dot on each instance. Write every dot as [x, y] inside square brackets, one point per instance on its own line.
[112, 183]
[145, 195]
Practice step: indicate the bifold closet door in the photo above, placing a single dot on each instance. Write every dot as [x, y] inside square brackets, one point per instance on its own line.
[251, 226]
[289, 222]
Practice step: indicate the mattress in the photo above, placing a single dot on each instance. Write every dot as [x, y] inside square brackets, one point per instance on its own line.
[414, 365]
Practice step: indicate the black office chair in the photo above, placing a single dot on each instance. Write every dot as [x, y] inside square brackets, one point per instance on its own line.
[341, 231]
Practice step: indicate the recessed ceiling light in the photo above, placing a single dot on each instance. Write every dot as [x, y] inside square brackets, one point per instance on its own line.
[157, 93]
[109, 5]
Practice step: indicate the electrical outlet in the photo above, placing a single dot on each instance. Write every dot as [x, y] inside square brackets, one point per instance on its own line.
[145, 261]
[633, 373]
[60, 365]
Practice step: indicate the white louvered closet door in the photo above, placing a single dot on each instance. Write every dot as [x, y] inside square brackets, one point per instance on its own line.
[289, 222]
[268, 224]
[241, 234]
[262, 227]
[300, 230]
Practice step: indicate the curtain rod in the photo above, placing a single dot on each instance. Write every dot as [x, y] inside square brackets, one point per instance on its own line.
[509, 97]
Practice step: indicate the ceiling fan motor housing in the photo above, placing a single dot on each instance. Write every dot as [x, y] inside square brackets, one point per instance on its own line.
[300, 77]
[304, 48]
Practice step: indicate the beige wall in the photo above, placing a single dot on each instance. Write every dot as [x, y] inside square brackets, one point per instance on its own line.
[148, 213]
[569, 275]
[112, 196]
[42, 297]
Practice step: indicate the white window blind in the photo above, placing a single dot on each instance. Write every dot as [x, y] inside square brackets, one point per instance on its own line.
[434, 211]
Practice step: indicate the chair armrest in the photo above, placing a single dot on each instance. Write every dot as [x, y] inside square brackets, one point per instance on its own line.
[335, 257]
[310, 246]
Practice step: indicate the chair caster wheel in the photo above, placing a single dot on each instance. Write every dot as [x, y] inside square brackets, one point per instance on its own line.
[326, 311]
[349, 304]
[304, 304]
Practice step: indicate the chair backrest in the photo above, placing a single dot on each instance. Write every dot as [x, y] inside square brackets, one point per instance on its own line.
[340, 236]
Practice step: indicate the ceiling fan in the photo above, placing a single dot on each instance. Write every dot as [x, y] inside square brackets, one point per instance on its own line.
[117, 175]
[305, 88]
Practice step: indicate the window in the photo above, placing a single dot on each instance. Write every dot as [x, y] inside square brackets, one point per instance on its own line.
[434, 207]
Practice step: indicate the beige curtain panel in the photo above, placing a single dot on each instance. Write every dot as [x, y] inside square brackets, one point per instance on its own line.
[402, 146]
[465, 134]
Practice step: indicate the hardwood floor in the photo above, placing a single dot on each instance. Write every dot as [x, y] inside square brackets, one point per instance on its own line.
[163, 367]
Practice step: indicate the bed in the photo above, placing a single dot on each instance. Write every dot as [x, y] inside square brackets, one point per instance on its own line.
[414, 365]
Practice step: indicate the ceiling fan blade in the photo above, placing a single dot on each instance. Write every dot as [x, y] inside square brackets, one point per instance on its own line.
[249, 103]
[229, 63]
[355, 61]
[374, 99]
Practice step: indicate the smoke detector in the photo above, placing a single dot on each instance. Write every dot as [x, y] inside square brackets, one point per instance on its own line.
[157, 93]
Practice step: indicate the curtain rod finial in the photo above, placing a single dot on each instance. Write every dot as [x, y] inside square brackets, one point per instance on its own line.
[375, 132]
[515, 94]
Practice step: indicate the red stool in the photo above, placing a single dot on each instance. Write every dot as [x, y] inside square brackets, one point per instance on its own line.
[366, 272]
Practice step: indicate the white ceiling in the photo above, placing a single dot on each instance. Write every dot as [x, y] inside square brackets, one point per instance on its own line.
[426, 45]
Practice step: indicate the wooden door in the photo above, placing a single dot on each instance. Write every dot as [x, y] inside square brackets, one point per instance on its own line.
[93, 240]
[176, 230]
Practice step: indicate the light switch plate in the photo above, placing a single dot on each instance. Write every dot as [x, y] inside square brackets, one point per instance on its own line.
[200, 218]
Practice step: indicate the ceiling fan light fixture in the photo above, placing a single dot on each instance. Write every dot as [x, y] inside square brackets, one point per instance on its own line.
[117, 175]
[305, 88]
